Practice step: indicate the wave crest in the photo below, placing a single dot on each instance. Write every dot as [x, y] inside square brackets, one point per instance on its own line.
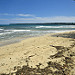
[72, 26]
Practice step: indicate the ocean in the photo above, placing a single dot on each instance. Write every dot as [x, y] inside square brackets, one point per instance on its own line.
[8, 32]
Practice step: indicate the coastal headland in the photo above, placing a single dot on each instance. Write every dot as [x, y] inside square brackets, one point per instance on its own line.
[50, 54]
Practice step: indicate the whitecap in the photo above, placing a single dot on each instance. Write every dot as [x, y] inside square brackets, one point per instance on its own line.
[67, 26]
[20, 30]
[1, 29]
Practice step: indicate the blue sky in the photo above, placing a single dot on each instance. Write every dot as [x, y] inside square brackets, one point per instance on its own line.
[37, 11]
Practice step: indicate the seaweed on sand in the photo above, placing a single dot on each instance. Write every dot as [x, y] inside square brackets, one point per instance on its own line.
[60, 47]
[57, 55]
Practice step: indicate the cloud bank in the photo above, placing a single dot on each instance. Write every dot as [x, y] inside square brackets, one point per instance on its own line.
[29, 18]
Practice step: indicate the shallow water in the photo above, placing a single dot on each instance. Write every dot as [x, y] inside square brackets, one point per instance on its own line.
[8, 32]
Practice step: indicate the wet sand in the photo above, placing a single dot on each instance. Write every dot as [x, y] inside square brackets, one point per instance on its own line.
[51, 54]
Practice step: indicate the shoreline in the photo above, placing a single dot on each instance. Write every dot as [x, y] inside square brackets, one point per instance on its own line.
[31, 51]
[19, 39]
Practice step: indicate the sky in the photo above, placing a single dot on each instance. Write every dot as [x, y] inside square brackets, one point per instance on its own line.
[36, 11]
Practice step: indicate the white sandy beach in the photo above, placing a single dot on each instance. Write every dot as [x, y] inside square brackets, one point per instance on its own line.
[35, 50]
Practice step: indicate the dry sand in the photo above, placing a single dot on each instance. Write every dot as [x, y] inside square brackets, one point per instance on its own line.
[56, 54]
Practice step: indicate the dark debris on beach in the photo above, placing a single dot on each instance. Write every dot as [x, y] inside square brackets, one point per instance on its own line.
[66, 35]
[26, 70]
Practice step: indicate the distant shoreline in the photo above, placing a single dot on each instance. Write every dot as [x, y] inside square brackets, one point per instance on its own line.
[42, 23]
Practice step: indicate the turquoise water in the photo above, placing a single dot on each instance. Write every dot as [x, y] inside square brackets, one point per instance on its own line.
[26, 31]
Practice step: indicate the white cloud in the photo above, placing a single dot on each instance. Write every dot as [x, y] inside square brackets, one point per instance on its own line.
[56, 19]
[21, 15]
[24, 19]
[40, 19]
[43, 19]
[25, 15]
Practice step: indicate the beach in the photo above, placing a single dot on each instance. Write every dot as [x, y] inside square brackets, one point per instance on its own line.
[37, 37]
[50, 54]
